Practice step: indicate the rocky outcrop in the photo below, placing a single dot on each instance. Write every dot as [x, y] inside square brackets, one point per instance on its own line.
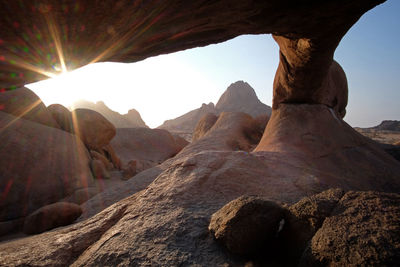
[51, 216]
[387, 126]
[143, 144]
[241, 97]
[39, 165]
[238, 97]
[62, 116]
[23, 103]
[363, 229]
[132, 119]
[245, 225]
[92, 128]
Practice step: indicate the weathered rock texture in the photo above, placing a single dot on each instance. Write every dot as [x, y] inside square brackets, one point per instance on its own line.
[93, 129]
[23, 103]
[51, 216]
[39, 165]
[131, 119]
[363, 230]
[247, 225]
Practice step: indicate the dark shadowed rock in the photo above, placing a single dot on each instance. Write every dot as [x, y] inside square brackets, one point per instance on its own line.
[94, 130]
[39, 165]
[82, 195]
[62, 116]
[247, 225]
[97, 156]
[363, 230]
[302, 221]
[51, 216]
[130, 170]
[112, 156]
[23, 103]
[99, 170]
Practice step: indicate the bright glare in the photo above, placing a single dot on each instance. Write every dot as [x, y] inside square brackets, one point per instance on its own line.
[159, 88]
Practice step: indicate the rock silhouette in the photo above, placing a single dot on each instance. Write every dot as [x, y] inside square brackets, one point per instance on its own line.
[130, 120]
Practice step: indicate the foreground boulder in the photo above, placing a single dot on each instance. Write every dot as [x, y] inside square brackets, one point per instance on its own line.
[23, 103]
[39, 165]
[51, 216]
[247, 225]
[94, 130]
[356, 229]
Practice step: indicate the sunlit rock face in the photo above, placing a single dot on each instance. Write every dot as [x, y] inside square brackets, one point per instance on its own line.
[39, 37]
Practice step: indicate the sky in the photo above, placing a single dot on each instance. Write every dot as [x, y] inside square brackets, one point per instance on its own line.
[167, 86]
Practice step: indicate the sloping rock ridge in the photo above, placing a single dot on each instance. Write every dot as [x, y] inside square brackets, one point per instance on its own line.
[132, 119]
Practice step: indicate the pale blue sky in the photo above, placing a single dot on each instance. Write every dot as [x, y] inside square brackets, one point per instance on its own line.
[167, 86]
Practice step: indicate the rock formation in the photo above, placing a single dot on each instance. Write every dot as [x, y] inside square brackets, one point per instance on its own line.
[51, 216]
[132, 119]
[25, 104]
[39, 165]
[387, 126]
[93, 129]
[246, 225]
[62, 116]
[241, 97]
[238, 97]
[306, 147]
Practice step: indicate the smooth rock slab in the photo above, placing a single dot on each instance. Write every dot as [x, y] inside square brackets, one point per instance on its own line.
[51, 216]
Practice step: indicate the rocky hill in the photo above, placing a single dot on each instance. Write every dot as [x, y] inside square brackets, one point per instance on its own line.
[241, 97]
[238, 97]
[130, 120]
[388, 126]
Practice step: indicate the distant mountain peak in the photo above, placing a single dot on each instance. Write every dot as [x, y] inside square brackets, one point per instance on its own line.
[238, 97]
[130, 120]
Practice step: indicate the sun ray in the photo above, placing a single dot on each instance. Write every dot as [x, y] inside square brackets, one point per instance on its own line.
[29, 108]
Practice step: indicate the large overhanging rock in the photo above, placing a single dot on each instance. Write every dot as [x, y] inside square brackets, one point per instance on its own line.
[37, 37]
